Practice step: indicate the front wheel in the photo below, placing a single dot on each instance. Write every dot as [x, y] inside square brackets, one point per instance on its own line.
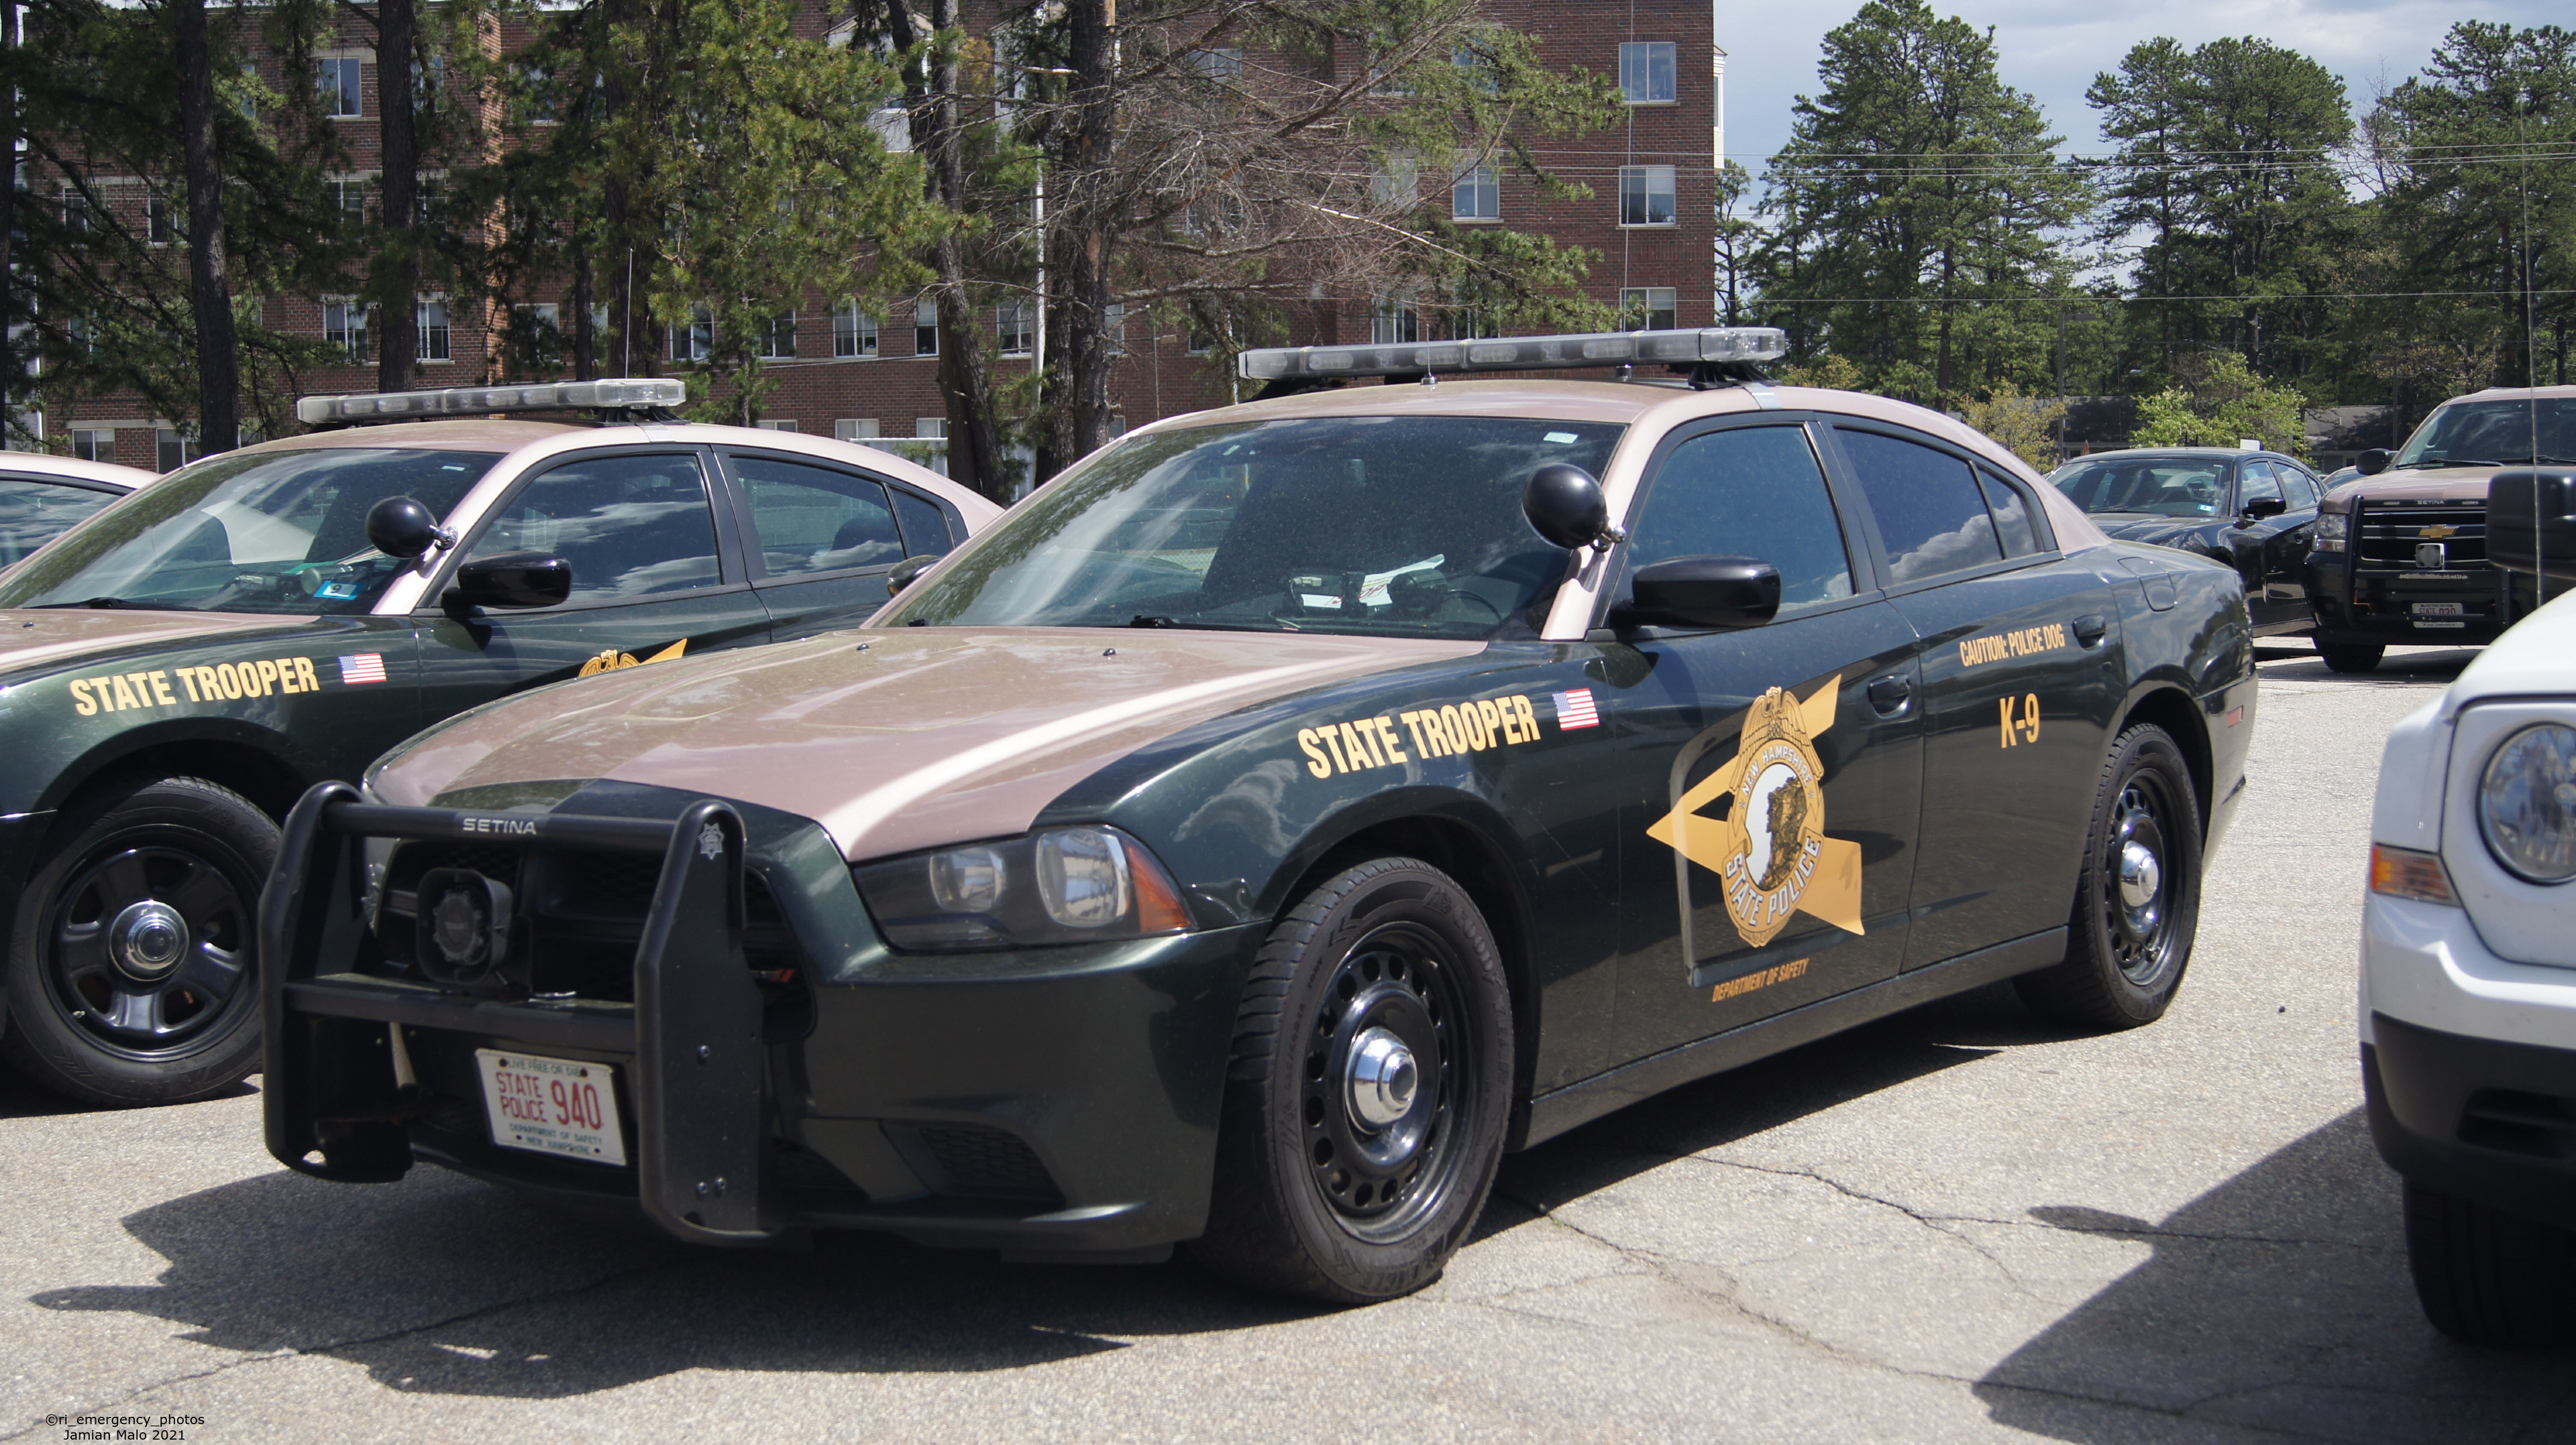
[130, 967]
[2487, 1278]
[2137, 898]
[1366, 1097]
[2352, 657]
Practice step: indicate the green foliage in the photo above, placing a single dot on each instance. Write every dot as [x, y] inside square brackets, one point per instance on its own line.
[2219, 403]
[1915, 203]
[2026, 425]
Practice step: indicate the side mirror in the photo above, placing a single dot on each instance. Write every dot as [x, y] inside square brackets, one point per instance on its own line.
[519, 579]
[2258, 508]
[904, 571]
[1719, 592]
[2374, 461]
[1564, 504]
[2531, 522]
[401, 527]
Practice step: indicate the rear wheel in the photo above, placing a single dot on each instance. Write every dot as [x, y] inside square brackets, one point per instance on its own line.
[2351, 656]
[2137, 899]
[130, 967]
[2487, 1278]
[1366, 1098]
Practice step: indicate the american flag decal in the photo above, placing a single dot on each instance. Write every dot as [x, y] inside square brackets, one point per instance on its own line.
[1574, 710]
[363, 667]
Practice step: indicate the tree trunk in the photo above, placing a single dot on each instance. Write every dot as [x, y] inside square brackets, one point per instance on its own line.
[617, 200]
[210, 291]
[9, 372]
[1091, 230]
[398, 263]
[974, 432]
[585, 359]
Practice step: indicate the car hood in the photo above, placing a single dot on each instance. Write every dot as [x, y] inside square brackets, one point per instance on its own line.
[2435, 484]
[2536, 657]
[36, 638]
[892, 739]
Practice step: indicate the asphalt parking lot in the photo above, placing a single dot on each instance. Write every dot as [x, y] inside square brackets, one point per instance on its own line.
[1955, 1224]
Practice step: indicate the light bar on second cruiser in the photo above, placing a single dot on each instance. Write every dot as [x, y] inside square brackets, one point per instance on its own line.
[1704, 345]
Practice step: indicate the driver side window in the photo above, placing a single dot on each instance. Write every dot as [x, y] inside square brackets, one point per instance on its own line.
[631, 526]
[1748, 492]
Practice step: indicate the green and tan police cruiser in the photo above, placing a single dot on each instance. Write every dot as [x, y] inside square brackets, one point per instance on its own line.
[177, 669]
[1277, 817]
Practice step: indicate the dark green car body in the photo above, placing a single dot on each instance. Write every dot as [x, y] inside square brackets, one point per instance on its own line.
[99, 695]
[1949, 730]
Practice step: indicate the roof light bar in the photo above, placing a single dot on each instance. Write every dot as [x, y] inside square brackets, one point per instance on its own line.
[620, 394]
[1520, 353]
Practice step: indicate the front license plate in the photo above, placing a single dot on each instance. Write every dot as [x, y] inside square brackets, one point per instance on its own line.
[2426, 622]
[552, 1106]
[2439, 609]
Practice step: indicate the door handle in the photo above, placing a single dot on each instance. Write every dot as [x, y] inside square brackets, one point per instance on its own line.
[1890, 694]
[2090, 627]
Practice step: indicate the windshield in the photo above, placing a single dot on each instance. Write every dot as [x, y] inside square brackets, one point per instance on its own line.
[2494, 434]
[2146, 486]
[1377, 526]
[282, 532]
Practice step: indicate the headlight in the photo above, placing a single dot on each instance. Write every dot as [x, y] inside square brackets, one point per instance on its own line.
[1065, 885]
[2332, 528]
[2527, 803]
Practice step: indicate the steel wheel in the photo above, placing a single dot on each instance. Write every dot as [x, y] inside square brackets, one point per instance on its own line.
[2137, 912]
[150, 949]
[2137, 894]
[1384, 1082]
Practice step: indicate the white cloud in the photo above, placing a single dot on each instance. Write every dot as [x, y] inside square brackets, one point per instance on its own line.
[2053, 49]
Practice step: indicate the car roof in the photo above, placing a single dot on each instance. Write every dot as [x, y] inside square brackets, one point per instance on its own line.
[75, 469]
[2213, 453]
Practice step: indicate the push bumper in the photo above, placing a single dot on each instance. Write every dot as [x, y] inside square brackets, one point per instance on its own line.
[2377, 607]
[1060, 1103]
[2468, 1062]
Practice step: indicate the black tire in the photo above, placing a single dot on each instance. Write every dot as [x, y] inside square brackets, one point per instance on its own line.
[2488, 1278]
[2137, 898]
[1314, 1198]
[2351, 656]
[113, 1002]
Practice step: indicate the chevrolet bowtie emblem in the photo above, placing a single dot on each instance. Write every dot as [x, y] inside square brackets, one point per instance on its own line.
[2437, 532]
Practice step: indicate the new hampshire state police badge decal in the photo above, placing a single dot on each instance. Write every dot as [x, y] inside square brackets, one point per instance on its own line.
[1769, 847]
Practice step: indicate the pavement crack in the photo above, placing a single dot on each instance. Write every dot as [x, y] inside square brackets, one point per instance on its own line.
[289, 1352]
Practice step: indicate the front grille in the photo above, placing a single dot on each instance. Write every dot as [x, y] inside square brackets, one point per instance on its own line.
[981, 1160]
[2386, 534]
[2542, 1126]
[579, 920]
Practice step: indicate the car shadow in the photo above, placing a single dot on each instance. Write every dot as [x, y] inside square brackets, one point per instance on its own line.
[2279, 1300]
[20, 1099]
[2300, 663]
[441, 1284]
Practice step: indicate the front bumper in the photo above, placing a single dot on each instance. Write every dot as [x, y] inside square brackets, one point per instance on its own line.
[2468, 1062]
[2377, 605]
[1057, 1102]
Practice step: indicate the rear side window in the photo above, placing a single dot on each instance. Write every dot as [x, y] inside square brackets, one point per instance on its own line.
[816, 519]
[1931, 515]
[31, 513]
[2257, 484]
[2301, 487]
[2012, 515]
[925, 527]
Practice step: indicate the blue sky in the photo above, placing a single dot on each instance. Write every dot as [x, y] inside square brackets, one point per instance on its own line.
[2053, 48]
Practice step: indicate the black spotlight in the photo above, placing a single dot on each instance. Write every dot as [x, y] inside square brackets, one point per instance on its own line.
[462, 928]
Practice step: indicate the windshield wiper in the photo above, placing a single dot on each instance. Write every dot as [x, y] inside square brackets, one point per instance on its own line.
[110, 602]
[1152, 619]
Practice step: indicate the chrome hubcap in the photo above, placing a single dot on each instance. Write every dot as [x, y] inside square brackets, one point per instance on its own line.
[147, 940]
[1382, 1077]
[2140, 875]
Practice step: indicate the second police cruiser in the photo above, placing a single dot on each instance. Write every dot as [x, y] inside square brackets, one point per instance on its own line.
[1277, 817]
[175, 670]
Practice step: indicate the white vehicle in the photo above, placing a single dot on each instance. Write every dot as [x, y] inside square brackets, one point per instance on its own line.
[2468, 964]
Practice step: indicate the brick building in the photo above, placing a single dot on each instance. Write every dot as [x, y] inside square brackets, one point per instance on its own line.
[865, 370]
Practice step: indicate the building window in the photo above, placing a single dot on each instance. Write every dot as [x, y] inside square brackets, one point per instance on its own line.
[344, 325]
[335, 81]
[1394, 322]
[537, 99]
[1649, 308]
[160, 220]
[777, 339]
[1113, 329]
[94, 445]
[430, 341]
[694, 339]
[1646, 72]
[170, 449]
[350, 192]
[78, 215]
[781, 424]
[1646, 195]
[930, 427]
[536, 336]
[1477, 195]
[1479, 68]
[893, 125]
[855, 429]
[1397, 182]
[1196, 337]
[1218, 67]
[925, 327]
[1475, 324]
[854, 332]
[1015, 323]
